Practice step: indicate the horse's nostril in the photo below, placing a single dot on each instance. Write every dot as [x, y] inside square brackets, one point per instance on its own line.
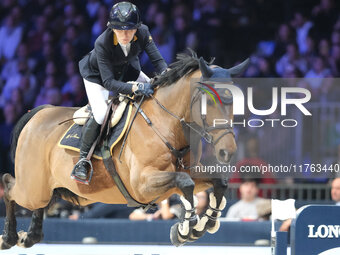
[222, 153]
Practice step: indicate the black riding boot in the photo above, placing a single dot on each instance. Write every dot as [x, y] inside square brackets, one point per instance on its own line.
[90, 133]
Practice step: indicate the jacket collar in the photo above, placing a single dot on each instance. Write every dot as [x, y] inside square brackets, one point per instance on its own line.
[115, 40]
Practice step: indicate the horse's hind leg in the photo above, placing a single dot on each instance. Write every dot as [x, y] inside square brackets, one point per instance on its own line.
[34, 234]
[181, 231]
[10, 236]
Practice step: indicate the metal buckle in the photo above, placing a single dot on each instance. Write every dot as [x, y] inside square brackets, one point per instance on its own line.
[181, 163]
[208, 137]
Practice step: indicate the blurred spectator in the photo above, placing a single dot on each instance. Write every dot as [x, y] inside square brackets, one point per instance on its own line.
[291, 58]
[245, 209]
[182, 33]
[167, 209]
[10, 34]
[150, 17]
[70, 12]
[71, 69]
[75, 96]
[318, 69]
[67, 52]
[53, 97]
[264, 68]
[17, 101]
[335, 60]
[284, 36]
[202, 202]
[164, 39]
[100, 24]
[10, 118]
[78, 46]
[10, 69]
[318, 86]
[252, 158]
[92, 8]
[311, 49]
[335, 191]
[209, 19]
[324, 49]
[49, 84]
[29, 91]
[36, 34]
[324, 16]
[302, 26]
[14, 81]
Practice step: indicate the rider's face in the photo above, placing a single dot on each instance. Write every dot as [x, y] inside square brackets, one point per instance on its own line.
[124, 36]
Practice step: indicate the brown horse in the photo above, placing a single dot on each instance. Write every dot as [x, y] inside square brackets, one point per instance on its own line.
[147, 168]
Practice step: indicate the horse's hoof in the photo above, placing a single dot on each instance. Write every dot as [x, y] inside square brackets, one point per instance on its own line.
[175, 236]
[195, 235]
[22, 237]
[3, 244]
[215, 228]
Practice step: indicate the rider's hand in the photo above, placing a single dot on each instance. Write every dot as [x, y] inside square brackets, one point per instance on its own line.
[144, 89]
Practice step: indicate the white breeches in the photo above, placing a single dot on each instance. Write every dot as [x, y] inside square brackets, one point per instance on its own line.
[98, 96]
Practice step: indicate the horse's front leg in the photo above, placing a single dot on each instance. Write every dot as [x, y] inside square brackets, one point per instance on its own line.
[209, 220]
[158, 183]
[181, 231]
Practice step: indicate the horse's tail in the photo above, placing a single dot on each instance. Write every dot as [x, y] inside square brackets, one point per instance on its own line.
[20, 125]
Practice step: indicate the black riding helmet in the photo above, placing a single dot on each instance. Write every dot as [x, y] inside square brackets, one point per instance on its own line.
[124, 16]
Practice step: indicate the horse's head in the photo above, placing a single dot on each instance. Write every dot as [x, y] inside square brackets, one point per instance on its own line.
[215, 111]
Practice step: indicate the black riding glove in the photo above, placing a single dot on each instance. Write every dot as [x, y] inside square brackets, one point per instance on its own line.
[144, 89]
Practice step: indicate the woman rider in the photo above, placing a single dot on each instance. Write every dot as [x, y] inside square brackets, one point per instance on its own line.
[113, 65]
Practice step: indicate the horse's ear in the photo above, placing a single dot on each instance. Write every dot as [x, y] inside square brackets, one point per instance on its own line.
[205, 69]
[236, 70]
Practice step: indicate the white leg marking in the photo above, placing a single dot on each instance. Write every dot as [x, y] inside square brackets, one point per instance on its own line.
[22, 237]
[223, 203]
[184, 227]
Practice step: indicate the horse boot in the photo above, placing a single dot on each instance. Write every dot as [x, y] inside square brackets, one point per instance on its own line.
[90, 133]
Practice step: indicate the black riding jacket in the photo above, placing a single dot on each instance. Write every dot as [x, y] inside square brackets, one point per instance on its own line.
[107, 65]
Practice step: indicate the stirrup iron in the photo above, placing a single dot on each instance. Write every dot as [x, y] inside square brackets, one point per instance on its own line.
[86, 181]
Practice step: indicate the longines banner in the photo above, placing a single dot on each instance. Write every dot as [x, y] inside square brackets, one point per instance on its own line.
[316, 230]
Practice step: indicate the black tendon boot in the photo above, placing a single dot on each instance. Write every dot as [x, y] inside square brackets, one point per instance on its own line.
[90, 133]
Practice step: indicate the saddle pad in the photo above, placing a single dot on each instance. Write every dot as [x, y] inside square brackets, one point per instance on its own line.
[71, 139]
[81, 115]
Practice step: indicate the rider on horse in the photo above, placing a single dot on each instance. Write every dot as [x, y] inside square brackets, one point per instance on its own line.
[113, 65]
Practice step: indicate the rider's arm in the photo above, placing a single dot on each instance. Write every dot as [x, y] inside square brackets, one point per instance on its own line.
[106, 71]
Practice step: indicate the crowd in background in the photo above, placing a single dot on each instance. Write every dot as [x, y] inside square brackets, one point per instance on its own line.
[42, 41]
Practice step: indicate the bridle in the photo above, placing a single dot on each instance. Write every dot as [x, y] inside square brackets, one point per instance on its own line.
[206, 129]
[202, 132]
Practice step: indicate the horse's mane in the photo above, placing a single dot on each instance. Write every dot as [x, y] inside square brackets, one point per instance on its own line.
[185, 64]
